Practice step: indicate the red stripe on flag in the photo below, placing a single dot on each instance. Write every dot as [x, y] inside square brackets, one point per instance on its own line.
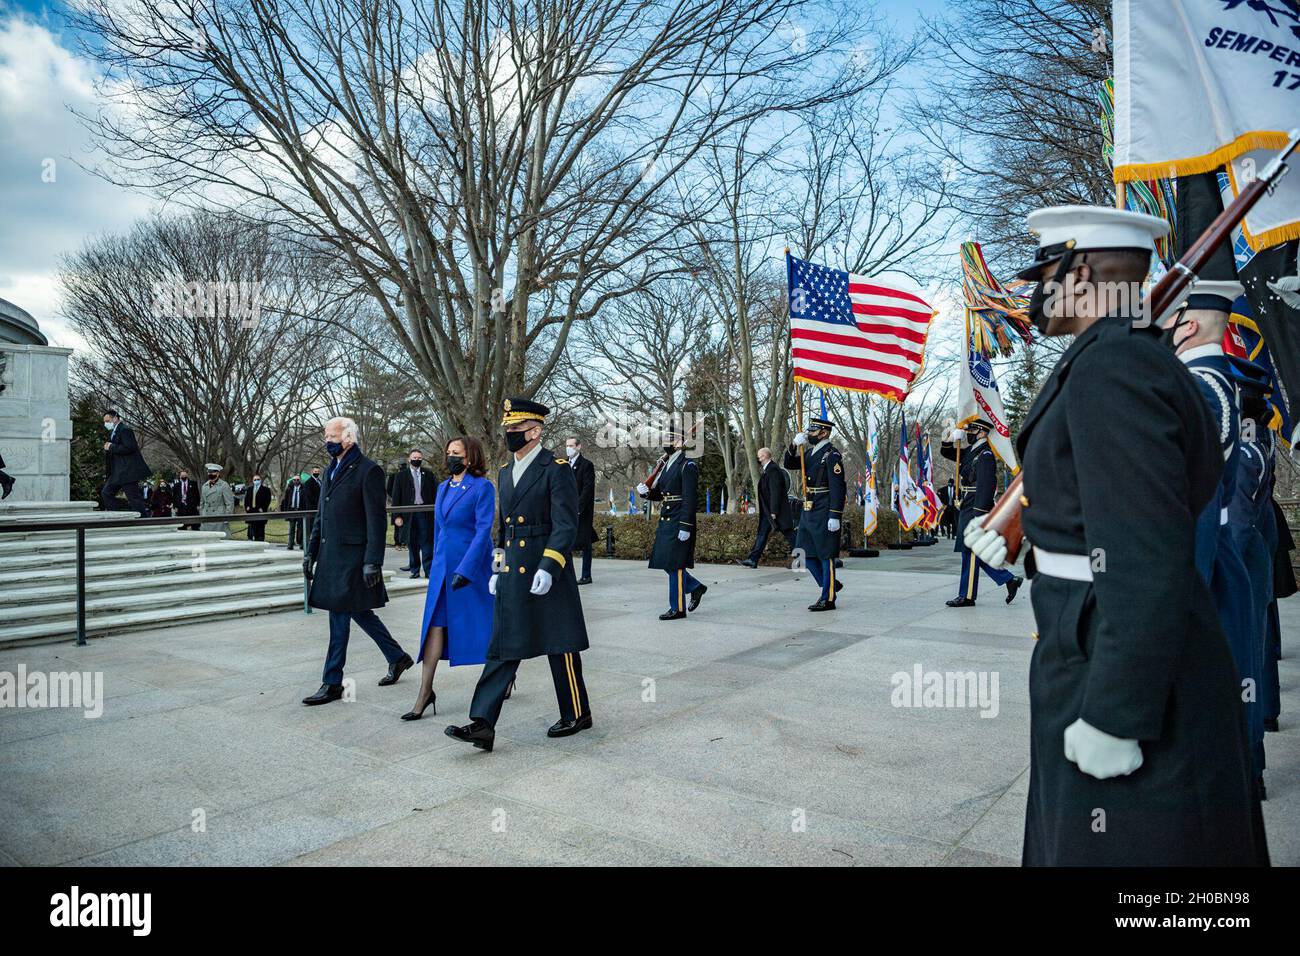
[853, 341]
[848, 362]
[852, 384]
[889, 328]
[866, 288]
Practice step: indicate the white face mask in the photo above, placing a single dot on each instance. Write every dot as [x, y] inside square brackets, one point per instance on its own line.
[571, 450]
[109, 425]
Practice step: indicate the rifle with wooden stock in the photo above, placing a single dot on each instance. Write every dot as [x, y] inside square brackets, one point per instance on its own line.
[1168, 292]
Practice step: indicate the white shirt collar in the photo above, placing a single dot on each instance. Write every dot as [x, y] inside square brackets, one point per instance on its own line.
[520, 465]
[1200, 351]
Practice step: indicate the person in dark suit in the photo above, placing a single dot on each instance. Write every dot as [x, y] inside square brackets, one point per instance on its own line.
[399, 528]
[311, 486]
[413, 485]
[457, 622]
[773, 506]
[677, 486]
[819, 525]
[948, 516]
[124, 467]
[1134, 704]
[257, 501]
[978, 471]
[6, 481]
[344, 559]
[537, 609]
[185, 498]
[295, 499]
[585, 472]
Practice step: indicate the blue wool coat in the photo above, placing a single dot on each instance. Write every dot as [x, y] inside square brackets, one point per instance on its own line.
[462, 544]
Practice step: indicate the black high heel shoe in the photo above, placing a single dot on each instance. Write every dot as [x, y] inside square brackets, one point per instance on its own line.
[509, 690]
[433, 699]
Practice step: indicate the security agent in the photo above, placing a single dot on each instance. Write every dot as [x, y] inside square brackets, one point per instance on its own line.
[1131, 675]
[537, 609]
[979, 479]
[823, 509]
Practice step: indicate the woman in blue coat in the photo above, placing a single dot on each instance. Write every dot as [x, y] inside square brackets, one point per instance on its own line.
[458, 610]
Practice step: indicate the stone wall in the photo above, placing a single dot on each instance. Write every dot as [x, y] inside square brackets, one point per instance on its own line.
[35, 422]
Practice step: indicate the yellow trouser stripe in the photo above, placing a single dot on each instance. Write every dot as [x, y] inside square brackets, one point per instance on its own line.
[832, 567]
[970, 583]
[573, 685]
[681, 598]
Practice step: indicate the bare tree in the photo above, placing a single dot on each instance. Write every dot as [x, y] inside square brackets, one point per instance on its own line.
[493, 172]
[210, 382]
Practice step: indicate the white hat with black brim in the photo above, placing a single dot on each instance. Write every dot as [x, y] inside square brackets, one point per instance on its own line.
[1063, 230]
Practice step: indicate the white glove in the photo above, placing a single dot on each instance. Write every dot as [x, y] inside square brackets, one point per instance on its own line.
[832, 524]
[987, 545]
[642, 489]
[492, 584]
[541, 582]
[683, 536]
[1098, 754]
[957, 435]
[800, 439]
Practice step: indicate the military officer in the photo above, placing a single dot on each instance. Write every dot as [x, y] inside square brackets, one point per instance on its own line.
[1249, 512]
[537, 609]
[676, 485]
[977, 483]
[823, 507]
[1137, 753]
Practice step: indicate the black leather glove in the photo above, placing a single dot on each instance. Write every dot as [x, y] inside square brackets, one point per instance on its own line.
[458, 581]
[306, 568]
[372, 575]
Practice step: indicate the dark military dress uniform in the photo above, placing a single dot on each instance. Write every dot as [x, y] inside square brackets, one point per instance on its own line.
[824, 468]
[538, 524]
[677, 488]
[1119, 459]
[978, 482]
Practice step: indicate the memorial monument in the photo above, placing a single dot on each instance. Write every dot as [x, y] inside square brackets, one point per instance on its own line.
[35, 422]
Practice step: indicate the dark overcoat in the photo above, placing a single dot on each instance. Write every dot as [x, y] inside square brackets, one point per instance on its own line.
[677, 488]
[538, 523]
[122, 460]
[1119, 458]
[585, 474]
[350, 531]
[826, 490]
[774, 497]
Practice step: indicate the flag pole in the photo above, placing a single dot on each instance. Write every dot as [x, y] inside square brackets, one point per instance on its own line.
[798, 390]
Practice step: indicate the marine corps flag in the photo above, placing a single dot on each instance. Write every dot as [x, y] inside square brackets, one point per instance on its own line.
[1200, 84]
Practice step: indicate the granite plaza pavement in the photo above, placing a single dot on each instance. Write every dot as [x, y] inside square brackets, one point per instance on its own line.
[752, 733]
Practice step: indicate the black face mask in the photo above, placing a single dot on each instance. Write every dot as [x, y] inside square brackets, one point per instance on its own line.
[1038, 301]
[972, 437]
[455, 464]
[334, 448]
[1167, 336]
[417, 462]
[669, 449]
[516, 440]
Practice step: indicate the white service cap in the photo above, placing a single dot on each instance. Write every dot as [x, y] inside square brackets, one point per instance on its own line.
[1062, 229]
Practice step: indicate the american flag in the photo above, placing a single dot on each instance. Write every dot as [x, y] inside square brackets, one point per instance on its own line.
[848, 331]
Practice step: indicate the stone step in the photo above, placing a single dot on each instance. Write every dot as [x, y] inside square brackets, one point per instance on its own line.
[148, 568]
[116, 601]
[37, 508]
[68, 556]
[60, 629]
[18, 543]
[65, 589]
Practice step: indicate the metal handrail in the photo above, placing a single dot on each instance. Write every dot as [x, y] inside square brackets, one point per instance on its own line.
[80, 525]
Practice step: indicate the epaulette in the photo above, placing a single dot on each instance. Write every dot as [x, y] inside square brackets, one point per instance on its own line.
[561, 461]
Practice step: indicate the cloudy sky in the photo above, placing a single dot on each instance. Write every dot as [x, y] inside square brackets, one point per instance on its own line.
[49, 204]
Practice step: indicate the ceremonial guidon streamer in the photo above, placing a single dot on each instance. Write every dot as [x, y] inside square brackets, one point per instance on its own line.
[855, 333]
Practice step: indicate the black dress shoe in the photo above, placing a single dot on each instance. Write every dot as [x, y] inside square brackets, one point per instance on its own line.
[822, 605]
[839, 562]
[961, 602]
[405, 567]
[747, 563]
[1270, 724]
[1260, 790]
[584, 580]
[327, 693]
[696, 597]
[417, 714]
[479, 733]
[566, 728]
[672, 615]
[416, 574]
[1012, 587]
[395, 670]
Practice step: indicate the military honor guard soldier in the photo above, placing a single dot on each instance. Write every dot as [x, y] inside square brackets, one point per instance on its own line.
[978, 482]
[675, 485]
[823, 508]
[537, 610]
[1138, 755]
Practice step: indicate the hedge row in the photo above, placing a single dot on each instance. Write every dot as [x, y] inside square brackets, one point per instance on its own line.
[725, 537]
